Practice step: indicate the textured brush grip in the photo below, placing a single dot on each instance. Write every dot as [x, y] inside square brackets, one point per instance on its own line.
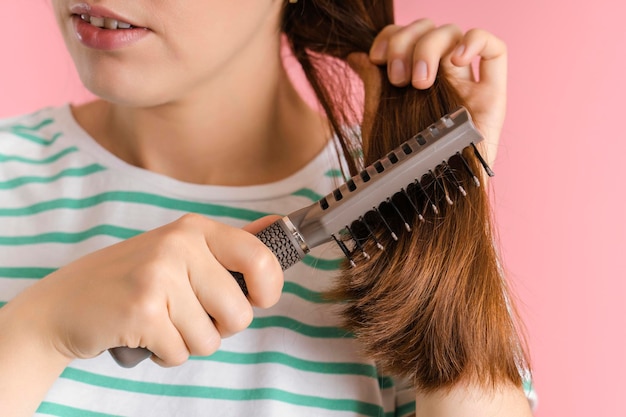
[281, 241]
[278, 238]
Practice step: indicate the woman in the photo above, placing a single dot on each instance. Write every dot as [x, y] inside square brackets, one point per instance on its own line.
[196, 114]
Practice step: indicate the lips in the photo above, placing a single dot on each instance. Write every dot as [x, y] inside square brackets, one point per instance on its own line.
[99, 28]
[106, 22]
[98, 12]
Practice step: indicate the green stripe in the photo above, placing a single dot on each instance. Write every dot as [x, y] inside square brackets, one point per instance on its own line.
[70, 172]
[336, 368]
[257, 323]
[323, 264]
[31, 273]
[334, 173]
[36, 139]
[48, 160]
[125, 233]
[528, 387]
[65, 411]
[304, 293]
[328, 332]
[307, 193]
[38, 273]
[137, 198]
[190, 391]
[333, 368]
[356, 153]
[66, 237]
[35, 128]
[405, 409]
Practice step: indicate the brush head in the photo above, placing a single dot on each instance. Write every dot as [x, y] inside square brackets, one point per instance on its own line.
[404, 168]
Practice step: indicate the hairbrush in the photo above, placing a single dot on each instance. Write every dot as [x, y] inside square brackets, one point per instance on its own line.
[341, 215]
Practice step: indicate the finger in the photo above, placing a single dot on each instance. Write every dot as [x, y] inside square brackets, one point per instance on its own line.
[400, 49]
[147, 318]
[167, 355]
[378, 51]
[260, 224]
[429, 51]
[492, 52]
[221, 298]
[167, 345]
[190, 317]
[240, 251]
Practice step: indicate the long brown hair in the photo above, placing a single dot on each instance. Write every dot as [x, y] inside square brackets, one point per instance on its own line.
[433, 306]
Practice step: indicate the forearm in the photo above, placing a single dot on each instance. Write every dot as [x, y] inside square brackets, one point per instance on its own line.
[473, 401]
[29, 365]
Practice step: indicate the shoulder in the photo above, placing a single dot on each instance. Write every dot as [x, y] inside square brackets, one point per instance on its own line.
[33, 130]
[32, 144]
[27, 119]
[34, 122]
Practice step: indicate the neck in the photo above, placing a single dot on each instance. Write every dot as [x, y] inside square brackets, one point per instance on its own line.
[224, 133]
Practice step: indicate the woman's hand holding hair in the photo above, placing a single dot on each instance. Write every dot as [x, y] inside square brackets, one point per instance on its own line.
[169, 290]
[416, 52]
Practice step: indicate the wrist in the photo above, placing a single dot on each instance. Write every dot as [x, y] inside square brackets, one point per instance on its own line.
[29, 361]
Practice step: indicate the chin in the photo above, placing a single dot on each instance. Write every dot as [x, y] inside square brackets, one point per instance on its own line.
[135, 94]
[119, 82]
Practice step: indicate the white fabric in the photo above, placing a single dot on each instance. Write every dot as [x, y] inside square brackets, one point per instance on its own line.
[63, 196]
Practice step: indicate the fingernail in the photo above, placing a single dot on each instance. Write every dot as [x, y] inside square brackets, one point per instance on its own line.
[459, 50]
[397, 73]
[421, 71]
[378, 51]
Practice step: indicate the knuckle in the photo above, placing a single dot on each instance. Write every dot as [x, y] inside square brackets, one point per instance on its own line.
[452, 28]
[444, 33]
[388, 31]
[192, 220]
[169, 242]
[147, 278]
[425, 23]
[268, 288]
[177, 236]
[233, 323]
[403, 37]
[270, 292]
[399, 43]
[176, 358]
[209, 345]
[145, 308]
[477, 32]
[264, 259]
[242, 319]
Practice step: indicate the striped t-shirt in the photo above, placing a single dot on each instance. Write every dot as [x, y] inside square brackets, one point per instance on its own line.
[63, 196]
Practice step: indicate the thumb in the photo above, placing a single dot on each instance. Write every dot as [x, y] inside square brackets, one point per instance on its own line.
[260, 224]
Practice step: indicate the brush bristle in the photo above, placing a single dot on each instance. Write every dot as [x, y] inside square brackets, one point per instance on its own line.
[419, 320]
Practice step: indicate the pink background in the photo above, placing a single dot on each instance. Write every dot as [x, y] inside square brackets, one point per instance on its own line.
[559, 196]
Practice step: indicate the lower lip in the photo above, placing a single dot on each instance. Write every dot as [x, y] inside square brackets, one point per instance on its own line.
[106, 39]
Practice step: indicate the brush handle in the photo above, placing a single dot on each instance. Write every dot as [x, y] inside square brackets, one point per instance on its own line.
[282, 239]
